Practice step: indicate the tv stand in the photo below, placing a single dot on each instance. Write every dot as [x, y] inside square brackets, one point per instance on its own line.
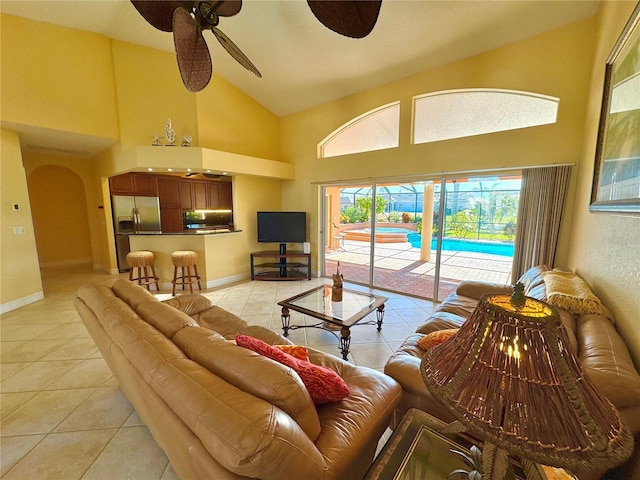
[283, 265]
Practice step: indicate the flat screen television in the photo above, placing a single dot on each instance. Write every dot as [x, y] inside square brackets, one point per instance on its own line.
[282, 227]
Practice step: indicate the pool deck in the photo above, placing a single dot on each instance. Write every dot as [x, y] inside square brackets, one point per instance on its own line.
[399, 268]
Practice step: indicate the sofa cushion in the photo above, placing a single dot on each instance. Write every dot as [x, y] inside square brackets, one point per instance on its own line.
[220, 320]
[458, 305]
[441, 321]
[164, 318]
[532, 281]
[324, 384]
[605, 358]
[436, 338]
[476, 289]
[252, 373]
[190, 303]
[131, 292]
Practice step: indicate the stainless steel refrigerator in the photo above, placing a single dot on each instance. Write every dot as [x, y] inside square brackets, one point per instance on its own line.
[133, 215]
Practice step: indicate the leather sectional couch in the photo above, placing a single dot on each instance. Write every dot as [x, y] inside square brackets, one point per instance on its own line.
[220, 411]
[593, 337]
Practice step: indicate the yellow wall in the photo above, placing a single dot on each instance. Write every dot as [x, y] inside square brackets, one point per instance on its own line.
[150, 91]
[61, 225]
[605, 248]
[19, 272]
[230, 121]
[557, 63]
[58, 78]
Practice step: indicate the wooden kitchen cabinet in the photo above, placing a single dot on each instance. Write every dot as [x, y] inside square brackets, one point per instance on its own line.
[200, 195]
[220, 196]
[121, 184]
[141, 184]
[225, 198]
[169, 191]
[186, 195]
[171, 219]
[145, 185]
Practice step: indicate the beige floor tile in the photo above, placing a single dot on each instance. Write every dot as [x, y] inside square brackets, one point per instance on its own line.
[9, 369]
[373, 355]
[6, 347]
[88, 373]
[170, 473]
[13, 332]
[133, 420]
[66, 330]
[74, 349]
[43, 412]
[10, 401]
[107, 407]
[31, 351]
[62, 455]
[131, 453]
[14, 448]
[37, 376]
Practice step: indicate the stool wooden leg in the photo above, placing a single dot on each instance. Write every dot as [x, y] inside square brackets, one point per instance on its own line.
[155, 277]
[175, 279]
[189, 278]
[195, 269]
[131, 273]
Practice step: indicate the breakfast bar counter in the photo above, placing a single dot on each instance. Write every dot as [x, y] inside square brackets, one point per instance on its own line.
[219, 260]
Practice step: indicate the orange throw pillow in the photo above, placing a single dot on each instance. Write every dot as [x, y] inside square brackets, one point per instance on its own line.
[297, 351]
[324, 384]
[435, 338]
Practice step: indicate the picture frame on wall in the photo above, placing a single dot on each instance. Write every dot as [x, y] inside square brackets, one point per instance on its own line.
[616, 178]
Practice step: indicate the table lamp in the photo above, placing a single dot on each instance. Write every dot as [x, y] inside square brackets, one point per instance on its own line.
[511, 380]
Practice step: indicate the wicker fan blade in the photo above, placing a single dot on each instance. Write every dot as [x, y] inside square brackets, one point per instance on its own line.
[353, 19]
[159, 13]
[235, 52]
[194, 60]
[228, 8]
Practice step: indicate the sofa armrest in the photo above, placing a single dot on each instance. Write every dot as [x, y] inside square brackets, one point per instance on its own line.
[606, 359]
[476, 289]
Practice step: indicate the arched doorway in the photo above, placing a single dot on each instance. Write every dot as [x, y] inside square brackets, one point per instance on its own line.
[60, 219]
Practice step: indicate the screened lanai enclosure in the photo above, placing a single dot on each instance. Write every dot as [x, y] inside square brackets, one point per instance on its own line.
[422, 237]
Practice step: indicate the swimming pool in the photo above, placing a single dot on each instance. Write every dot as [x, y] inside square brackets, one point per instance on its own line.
[494, 248]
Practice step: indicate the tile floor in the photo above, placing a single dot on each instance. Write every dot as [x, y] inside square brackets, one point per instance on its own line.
[62, 413]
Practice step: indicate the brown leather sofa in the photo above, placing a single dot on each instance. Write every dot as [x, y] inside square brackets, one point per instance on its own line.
[220, 411]
[594, 339]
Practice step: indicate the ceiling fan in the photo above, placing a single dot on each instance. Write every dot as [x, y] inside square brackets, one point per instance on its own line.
[188, 19]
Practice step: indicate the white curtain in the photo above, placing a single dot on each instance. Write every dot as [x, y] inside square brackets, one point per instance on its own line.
[542, 197]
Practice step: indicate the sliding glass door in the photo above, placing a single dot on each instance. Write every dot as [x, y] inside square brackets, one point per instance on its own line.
[422, 237]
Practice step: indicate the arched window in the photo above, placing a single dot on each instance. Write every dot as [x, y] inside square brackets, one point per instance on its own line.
[463, 113]
[375, 130]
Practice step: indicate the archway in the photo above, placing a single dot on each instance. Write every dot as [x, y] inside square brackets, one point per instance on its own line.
[60, 219]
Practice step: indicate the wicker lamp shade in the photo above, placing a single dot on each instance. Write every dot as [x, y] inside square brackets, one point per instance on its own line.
[512, 380]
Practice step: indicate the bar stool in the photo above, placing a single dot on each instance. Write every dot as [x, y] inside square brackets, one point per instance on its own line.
[185, 259]
[141, 260]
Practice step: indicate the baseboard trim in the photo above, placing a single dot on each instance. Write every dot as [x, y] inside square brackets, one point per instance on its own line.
[21, 302]
[67, 263]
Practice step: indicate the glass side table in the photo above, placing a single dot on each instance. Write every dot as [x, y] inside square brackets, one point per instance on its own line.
[417, 451]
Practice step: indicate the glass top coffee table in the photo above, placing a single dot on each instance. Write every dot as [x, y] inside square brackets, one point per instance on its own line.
[334, 316]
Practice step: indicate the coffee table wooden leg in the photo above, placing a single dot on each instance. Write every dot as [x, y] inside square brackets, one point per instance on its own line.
[380, 316]
[286, 317]
[345, 342]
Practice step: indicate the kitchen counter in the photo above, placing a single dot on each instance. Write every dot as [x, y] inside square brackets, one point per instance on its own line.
[219, 258]
[204, 231]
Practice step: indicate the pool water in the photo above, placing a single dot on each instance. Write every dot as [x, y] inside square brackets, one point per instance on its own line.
[494, 248]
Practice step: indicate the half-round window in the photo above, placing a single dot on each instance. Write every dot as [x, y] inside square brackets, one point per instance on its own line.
[375, 130]
[463, 113]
